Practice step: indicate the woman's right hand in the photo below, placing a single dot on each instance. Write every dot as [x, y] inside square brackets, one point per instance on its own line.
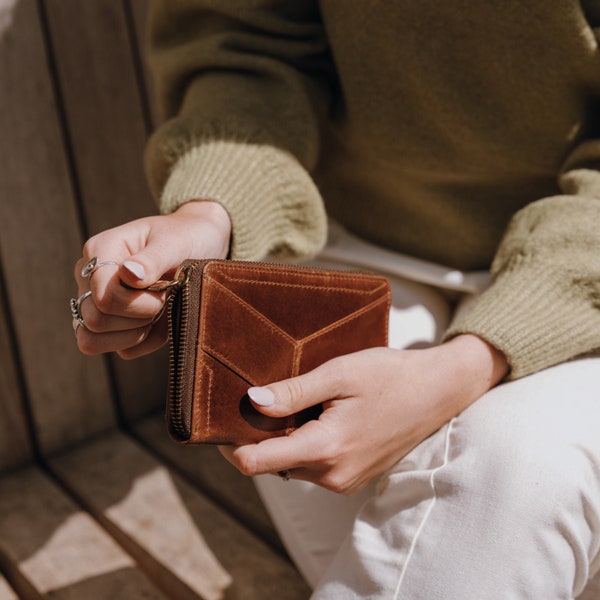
[120, 319]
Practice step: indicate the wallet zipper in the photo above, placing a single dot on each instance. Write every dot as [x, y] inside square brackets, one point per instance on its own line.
[179, 302]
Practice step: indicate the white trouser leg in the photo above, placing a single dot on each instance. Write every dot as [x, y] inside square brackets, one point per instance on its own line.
[312, 521]
[502, 503]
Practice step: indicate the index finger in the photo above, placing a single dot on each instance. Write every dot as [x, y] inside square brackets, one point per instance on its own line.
[109, 294]
[306, 446]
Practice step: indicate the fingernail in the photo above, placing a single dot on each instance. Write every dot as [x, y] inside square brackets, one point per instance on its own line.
[135, 269]
[262, 396]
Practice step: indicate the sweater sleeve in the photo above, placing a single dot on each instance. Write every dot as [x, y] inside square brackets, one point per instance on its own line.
[543, 305]
[241, 87]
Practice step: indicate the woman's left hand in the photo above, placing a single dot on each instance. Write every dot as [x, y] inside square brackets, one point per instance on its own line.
[378, 404]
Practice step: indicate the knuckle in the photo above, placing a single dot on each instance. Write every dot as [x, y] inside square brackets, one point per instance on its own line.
[336, 481]
[77, 268]
[106, 302]
[89, 248]
[95, 321]
[246, 463]
[336, 374]
[294, 390]
[86, 343]
[127, 353]
[330, 451]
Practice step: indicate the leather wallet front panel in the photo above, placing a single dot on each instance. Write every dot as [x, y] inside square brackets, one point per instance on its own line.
[260, 323]
[238, 335]
[342, 338]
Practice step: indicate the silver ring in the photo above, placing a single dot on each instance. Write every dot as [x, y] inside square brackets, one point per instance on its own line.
[82, 298]
[76, 326]
[92, 265]
[74, 305]
[285, 474]
[75, 312]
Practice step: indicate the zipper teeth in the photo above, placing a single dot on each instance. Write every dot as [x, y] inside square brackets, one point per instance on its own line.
[179, 302]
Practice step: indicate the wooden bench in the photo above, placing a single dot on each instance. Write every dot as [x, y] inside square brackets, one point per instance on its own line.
[95, 501]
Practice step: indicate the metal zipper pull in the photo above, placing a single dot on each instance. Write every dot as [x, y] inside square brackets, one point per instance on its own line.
[182, 276]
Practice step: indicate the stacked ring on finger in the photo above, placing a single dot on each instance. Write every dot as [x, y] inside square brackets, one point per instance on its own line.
[75, 304]
[92, 265]
[285, 474]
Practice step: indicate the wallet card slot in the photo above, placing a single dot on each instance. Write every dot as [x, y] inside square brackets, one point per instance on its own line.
[242, 283]
[242, 338]
[340, 337]
[299, 310]
[303, 276]
[247, 272]
[223, 413]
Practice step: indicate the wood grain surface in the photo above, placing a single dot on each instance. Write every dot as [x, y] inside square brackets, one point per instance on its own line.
[49, 547]
[40, 239]
[88, 510]
[189, 543]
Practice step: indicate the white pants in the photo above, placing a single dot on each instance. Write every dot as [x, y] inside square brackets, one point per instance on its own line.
[502, 503]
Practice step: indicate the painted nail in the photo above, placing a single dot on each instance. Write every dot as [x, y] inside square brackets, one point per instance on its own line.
[261, 396]
[135, 269]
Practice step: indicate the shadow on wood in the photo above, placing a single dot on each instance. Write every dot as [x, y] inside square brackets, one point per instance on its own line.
[95, 501]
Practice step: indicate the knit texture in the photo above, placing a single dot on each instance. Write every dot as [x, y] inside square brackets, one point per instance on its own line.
[457, 132]
[542, 307]
[246, 179]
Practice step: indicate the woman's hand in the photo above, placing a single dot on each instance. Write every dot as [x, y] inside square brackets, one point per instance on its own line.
[378, 405]
[122, 319]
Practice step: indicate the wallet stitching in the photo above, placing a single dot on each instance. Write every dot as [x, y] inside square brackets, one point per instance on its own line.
[228, 362]
[252, 310]
[278, 331]
[307, 286]
[207, 418]
[209, 349]
[263, 267]
[345, 278]
[234, 367]
[205, 367]
[359, 313]
[225, 267]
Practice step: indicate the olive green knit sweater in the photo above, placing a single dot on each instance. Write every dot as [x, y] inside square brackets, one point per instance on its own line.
[460, 132]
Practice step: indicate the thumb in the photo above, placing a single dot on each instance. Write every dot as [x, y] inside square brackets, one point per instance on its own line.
[155, 261]
[292, 395]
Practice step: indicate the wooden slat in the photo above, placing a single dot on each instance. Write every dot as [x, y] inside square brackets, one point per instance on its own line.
[171, 529]
[102, 105]
[205, 466]
[49, 547]
[40, 240]
[15, 446]
[139, 11]
[107, 129]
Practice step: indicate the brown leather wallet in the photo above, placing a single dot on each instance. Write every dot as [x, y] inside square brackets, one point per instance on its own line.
[237, 324]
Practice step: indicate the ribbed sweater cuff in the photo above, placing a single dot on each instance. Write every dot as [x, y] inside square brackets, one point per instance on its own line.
[536, 319]
[274, 206]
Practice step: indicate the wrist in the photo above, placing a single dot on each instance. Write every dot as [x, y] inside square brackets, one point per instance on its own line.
[211, 214]
[478, 360]
[473, 366]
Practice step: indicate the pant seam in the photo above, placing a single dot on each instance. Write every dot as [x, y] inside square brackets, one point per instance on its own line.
[429, 508]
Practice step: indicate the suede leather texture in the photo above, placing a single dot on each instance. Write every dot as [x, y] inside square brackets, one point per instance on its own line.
[251, 324]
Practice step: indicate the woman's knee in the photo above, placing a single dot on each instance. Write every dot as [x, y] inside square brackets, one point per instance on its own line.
[540, 430]
[531, 449]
